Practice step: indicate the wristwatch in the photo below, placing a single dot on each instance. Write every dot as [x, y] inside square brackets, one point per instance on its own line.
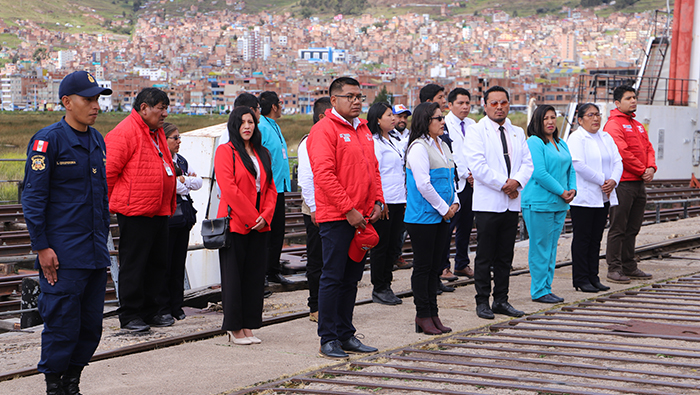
[380, 204]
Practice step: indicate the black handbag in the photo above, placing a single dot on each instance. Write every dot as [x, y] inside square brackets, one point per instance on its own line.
[215, 231]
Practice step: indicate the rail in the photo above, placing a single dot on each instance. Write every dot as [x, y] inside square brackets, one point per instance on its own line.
[596, 88]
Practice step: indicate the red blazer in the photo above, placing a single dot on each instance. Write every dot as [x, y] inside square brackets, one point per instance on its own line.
[346, 171]
[238, 191]
[633, 143]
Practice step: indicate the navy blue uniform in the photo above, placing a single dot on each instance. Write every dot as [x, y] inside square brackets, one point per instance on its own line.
[66, 208]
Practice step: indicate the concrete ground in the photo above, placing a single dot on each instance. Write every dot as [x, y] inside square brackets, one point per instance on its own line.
[215, 366]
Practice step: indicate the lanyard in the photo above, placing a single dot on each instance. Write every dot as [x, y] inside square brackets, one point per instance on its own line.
[168, 170]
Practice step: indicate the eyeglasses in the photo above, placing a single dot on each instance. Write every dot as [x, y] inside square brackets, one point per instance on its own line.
[174, 137]
[438, 118]
[495, 103]
[592, 115]
[352, 98]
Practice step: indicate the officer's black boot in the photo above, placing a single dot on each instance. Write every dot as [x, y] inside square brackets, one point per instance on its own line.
[71, 380]
[53, 384]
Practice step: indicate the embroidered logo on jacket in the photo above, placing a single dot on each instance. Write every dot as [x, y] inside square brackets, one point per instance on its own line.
[38, 162]
[345, 136]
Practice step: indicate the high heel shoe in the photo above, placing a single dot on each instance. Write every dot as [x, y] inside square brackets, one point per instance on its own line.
[586, 288]
[254, 339]
[600, 286]
[243, 341]
[439, 326]
[426, 325]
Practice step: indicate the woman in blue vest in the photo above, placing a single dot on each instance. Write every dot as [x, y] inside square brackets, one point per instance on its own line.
[430, 203]
[180, 224]
[545, 200]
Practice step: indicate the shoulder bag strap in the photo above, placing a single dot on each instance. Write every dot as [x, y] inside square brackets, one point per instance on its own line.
[213, 181]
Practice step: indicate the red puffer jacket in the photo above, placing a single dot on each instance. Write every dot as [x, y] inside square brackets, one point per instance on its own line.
[633, 143]
[136, 177]
[346, 172]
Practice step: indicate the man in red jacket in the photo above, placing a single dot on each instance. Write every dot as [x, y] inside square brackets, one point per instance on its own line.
[639, 166]
[141, 182]
[348, 192]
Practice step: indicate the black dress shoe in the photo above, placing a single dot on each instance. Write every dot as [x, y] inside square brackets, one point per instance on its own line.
[279, 279]
[267, 293]
[484, 311]
[136, 325]
[586, 288]
[180, 316]
[558, 298]
[546, 299]
[445, 288]
[332, 349]
[384, 297]
[600, 286]
[162, 320]
[507, 309]
[354, 345]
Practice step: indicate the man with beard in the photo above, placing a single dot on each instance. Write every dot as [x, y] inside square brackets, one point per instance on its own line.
[401, 128]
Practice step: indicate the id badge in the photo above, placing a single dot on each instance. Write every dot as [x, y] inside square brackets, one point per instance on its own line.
[284, 153]
[168, 170]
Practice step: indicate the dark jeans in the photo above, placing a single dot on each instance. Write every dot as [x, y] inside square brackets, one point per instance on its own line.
[588, 224]
[243, 280]
[178, 239]
[384, 255]
[72, 312]
[338, 286]
[625, 221]
[427, 242]
[143, 263]
[276, 237]
[463, 221]
[314, 261]
[495, 240]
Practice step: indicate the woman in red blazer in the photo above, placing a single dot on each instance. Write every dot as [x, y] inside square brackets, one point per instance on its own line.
[244, 174]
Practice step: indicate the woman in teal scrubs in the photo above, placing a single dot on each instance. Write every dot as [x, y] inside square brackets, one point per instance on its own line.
[546, 199]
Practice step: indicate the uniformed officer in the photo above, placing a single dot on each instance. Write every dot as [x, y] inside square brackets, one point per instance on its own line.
[67, 214]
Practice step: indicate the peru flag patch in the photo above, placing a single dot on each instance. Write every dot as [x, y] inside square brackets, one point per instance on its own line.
[40, 145]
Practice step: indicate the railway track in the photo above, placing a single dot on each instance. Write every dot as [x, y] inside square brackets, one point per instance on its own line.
[624, 338]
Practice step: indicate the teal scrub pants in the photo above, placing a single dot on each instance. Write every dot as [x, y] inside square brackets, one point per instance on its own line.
[544, 229]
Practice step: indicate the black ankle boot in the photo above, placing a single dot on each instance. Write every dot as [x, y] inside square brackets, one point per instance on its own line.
[53, 384]
[71, 380]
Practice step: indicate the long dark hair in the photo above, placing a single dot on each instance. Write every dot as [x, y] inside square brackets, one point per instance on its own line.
[536, 126]
[421, 120]
[375, 113]
[235, 120]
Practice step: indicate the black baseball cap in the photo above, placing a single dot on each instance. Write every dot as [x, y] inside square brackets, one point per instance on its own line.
[81, 83]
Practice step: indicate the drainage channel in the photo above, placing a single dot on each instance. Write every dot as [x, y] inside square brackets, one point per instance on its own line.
[640, 341]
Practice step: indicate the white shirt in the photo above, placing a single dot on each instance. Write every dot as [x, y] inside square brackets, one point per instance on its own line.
[454, 131]
[419, 161]
[192, 183]
[306, 177]
[596, 159]
[355, 121]
[390, 153]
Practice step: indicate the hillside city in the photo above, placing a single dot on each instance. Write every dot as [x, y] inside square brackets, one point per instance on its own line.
[204, 60]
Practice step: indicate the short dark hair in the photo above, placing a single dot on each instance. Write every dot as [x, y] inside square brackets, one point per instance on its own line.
[452, 96]
[268, 99]
[620, 91]
[429, 91]
[235, 120]
[169, 128]
[320, 107]
[246, 99]
[338, 84]
[583, 108]
[495, 88]
[152, 97]
[536, 126]
[420, 122]
[374, 114]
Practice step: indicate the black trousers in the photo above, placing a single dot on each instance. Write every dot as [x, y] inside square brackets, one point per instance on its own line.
[178, 239]
[143, 263]
[495, 236]
[463, 221]
[625, 222]
[276, 237]
[243, 280]
[314, 261]
[385, 253]
[588, 224]
[427, 242]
